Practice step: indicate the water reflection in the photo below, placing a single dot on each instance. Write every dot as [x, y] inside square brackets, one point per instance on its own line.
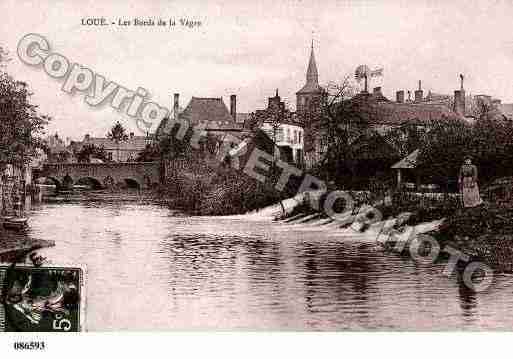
[152, 268]
[468, 299]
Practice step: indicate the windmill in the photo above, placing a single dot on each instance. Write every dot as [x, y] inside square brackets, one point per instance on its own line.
[363, 72]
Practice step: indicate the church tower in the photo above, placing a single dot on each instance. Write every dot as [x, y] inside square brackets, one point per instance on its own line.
[308, 98]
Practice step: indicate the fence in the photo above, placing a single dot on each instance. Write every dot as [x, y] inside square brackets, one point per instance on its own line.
[500, 192]
[426, 200]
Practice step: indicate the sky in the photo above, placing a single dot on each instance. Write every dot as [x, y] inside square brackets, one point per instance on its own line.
[250, 48]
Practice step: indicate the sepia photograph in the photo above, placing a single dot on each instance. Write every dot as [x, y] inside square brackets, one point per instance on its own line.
[269, 166]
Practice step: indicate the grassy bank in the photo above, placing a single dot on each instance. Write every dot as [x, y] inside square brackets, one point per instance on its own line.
[484, 233]
[217, 192]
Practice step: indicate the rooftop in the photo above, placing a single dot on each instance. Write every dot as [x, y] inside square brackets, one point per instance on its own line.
[211, 109]
[409, 161]
[134, 143]
[382, 111]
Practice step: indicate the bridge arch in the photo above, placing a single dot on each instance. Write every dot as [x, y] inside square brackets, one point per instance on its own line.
[67, 181]
[139, 174]
[131, 183]
[90, 181]
[45, 180]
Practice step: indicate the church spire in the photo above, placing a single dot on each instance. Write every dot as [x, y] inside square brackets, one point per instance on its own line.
[312, 76]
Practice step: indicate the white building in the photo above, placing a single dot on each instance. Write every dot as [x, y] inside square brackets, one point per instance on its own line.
[289, 137]
[288, 134]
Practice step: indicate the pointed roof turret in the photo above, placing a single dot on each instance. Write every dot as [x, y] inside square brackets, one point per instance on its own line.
[311, 73]
[312, 76]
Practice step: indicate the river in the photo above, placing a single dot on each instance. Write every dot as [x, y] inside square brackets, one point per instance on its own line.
[153, 268]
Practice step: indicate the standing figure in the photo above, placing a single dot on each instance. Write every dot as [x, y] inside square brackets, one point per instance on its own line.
[467, 182]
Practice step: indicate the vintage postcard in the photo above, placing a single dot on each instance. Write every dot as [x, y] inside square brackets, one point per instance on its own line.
[256, 165]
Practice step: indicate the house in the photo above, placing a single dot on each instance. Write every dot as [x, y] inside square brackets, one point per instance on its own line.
[220, 124]
[283, 127]
[124, 151]
[507, 110]
[374, 113]
[257, 139]
[209, 113]
[405, 169]
[57, 149]
[15, 179]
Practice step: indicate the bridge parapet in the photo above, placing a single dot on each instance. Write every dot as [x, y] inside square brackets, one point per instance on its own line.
[145, 174]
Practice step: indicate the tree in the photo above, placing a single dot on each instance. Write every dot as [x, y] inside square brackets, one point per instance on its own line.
[90, 150]
[442, 154]
[171, 147]
[489, 141]
[406, 138]
[21, 127]
[150, 153]
[334, 122]
[4, 57]
[118, 135]
[63, 156]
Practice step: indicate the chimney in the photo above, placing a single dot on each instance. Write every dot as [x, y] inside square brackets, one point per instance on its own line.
[419, 93]
[399, 96]
[459, 98]
[176, 105]
[274, 102]
[282, 110]
[233, 107]
[459, 102]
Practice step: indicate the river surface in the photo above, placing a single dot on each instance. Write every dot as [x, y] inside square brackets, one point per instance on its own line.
[153, 268]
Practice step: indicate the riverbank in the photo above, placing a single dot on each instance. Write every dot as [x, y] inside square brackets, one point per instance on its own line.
[221, 192]
[484, 233]
[15, 245]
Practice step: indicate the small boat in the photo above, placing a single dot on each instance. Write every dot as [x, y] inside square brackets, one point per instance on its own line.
[16, 223]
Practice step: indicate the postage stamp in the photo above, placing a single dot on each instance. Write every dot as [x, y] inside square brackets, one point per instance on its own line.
[41, 299]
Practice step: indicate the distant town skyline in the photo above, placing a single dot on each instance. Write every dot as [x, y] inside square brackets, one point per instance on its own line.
[250, 49]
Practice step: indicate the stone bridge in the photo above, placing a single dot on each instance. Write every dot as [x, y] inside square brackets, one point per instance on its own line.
[102, 175]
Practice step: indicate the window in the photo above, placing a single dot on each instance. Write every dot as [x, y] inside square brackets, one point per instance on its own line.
[300, 137]
[279, 134]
